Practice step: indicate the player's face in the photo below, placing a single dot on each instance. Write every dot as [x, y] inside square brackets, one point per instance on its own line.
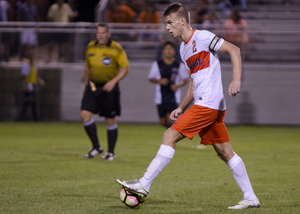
[102, 35]
[174, 25]
[168, 51]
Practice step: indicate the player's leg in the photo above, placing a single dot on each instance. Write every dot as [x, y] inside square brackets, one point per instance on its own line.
[26, 103]
[184, 127]
[161, 160]
[110, 107]
[112, 135]
[170, 106]
[88, 107]
[217, 135]
[239, 172]
[33, 106]
[162, 121]
[169, 122]
[91, 130]
[162, 115]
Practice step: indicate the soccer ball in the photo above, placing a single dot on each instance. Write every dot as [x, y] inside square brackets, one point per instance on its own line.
[130, 199]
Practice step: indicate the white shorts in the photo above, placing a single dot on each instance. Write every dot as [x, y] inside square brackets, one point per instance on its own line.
[28, 37]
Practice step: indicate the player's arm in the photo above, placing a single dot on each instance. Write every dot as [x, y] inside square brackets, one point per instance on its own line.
[236, 61]
[155, 76]
[162, 81]
[86, 77]
[189, 97]
[176, 86]
[41, 81]
[111, 84]
[185, 102]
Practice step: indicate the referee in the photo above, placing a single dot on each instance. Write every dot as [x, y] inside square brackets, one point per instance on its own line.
[106, 65]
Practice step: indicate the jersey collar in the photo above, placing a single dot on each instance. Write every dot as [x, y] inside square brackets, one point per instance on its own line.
[190, 36]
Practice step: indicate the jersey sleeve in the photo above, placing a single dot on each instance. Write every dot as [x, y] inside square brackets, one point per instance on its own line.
[87, 62]
[25, 69]
[183, 72]
[211, 41]
[154, 71]
[122, 59]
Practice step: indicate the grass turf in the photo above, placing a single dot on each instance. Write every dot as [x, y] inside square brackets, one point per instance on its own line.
[42, 170]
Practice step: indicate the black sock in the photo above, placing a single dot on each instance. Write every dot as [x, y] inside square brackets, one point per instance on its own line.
[91, 131]
[112, 136]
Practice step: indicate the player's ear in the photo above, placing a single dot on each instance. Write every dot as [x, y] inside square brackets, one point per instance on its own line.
[182, 21]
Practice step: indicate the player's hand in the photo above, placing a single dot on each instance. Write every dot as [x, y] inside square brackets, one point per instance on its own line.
[176, 113]
[109, 86]
[174, 87]
[234, 88]
[41, 82]
[164, 81]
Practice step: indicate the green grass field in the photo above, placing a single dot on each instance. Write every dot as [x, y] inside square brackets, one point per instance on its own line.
[42, 170]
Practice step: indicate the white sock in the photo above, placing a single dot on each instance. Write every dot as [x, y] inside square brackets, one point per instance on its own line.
[239, 172]
[162, 159]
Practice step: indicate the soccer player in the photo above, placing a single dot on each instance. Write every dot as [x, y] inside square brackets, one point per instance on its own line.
[166, 74]
[29, 82]
[206, 116]
[106, 65]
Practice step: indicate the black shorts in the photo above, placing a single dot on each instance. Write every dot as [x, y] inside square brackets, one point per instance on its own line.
[106, 104]
[29, 97]
[165, 108]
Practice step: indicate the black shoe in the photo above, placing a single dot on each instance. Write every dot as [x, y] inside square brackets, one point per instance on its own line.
[94, 152]
[109, 156]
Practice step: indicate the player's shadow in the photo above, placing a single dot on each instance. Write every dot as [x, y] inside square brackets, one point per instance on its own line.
[246, 110]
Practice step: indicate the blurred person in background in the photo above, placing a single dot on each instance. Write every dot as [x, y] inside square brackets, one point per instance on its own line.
[106, 64]
[241, 4]
[27, 12]
[29, 83]
[5, 8]
[236, 30]
[149, 16]
[5, 38]
[201, 12]
[119, 13]
[169, 75]
[60, 12]
[225, 6]
[212, 23]
[74, 6]
[138, 6]
[164, 37]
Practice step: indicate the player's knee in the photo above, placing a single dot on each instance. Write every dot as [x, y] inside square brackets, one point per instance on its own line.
[225, 156]
[110, 121]
[85, 116]
[169, 138]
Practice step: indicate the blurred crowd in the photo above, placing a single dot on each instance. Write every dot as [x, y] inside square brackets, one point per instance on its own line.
[117, 11]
